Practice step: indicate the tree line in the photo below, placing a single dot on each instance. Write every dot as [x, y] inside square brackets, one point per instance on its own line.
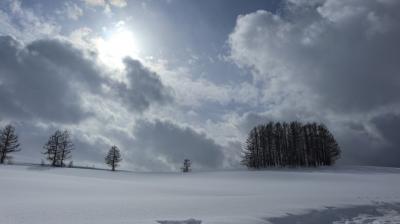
[273, 144]
[293, 144]
[57, 150]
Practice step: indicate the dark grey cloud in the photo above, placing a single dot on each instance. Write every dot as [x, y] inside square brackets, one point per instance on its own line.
[71, 62]
[324, 60]
[389, 126]
[172, 143]
[144, 87]
[387, 153]
[89, 153]
[46, 78]
[330, 61]
[44, 86]
[37, 84]
[32, 137]
[251, 119]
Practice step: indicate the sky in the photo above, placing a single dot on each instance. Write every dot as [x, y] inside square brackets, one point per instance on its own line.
[173, 79]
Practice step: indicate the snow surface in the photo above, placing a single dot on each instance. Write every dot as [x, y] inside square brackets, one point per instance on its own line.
[376, 213]
[34, 194]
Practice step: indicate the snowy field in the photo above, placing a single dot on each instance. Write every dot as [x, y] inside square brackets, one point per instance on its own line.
[31, 194]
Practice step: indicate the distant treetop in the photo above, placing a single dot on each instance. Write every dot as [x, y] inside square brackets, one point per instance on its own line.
[290, 145]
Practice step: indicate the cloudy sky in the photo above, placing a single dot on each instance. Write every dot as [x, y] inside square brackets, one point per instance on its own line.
[172, 79]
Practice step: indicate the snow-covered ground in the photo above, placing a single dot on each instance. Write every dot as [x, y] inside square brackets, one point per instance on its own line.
[34, 194]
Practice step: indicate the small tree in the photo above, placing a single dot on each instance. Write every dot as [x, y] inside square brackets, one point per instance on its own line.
[113, 157]
[8, 143]
[52, 148]
[58, 148]
[65, 147]
[186, 166]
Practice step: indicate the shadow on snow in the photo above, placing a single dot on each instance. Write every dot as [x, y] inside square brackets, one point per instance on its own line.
[376, 213]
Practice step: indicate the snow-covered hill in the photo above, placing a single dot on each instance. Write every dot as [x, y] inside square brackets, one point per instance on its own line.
[34, 194]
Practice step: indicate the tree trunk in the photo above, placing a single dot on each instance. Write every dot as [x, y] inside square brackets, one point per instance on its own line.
[3, 157]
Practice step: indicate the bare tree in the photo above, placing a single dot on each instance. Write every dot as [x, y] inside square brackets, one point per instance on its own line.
[290, 144]
[186, 166]
[52, 148]
[8, 143]
[66, 147]
[58, 148]
[113, 157]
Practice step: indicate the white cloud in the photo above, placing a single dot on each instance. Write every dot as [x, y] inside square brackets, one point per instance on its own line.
[95, 2]
[106, 5]
[312, 54]
[68, 63]
[118, 3]
[299, 59]
[326, 60]
[66, 88]
[195, 92]
[72, 10]
[24, 24]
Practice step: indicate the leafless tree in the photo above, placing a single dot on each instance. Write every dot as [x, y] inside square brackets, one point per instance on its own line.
[58, 148]
[8, 143]
[290, 144]
[186, 166]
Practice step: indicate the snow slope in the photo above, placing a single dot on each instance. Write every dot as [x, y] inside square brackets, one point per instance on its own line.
[33, 194]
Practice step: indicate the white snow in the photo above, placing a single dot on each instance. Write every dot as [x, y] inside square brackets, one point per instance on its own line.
[387, 216]
[30, 194]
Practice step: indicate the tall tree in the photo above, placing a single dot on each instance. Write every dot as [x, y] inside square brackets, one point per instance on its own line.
[113, 157]
[329, 147]
[8, 143]
[249, 153]
[65, 147]
[294, 144]
[58, 148]
[52, 148]
[278, 133]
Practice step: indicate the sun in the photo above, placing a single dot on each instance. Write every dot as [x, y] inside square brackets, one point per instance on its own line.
[119, 44]
[122, 43]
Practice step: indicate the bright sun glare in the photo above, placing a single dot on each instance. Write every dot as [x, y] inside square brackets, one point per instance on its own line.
[120, 44]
